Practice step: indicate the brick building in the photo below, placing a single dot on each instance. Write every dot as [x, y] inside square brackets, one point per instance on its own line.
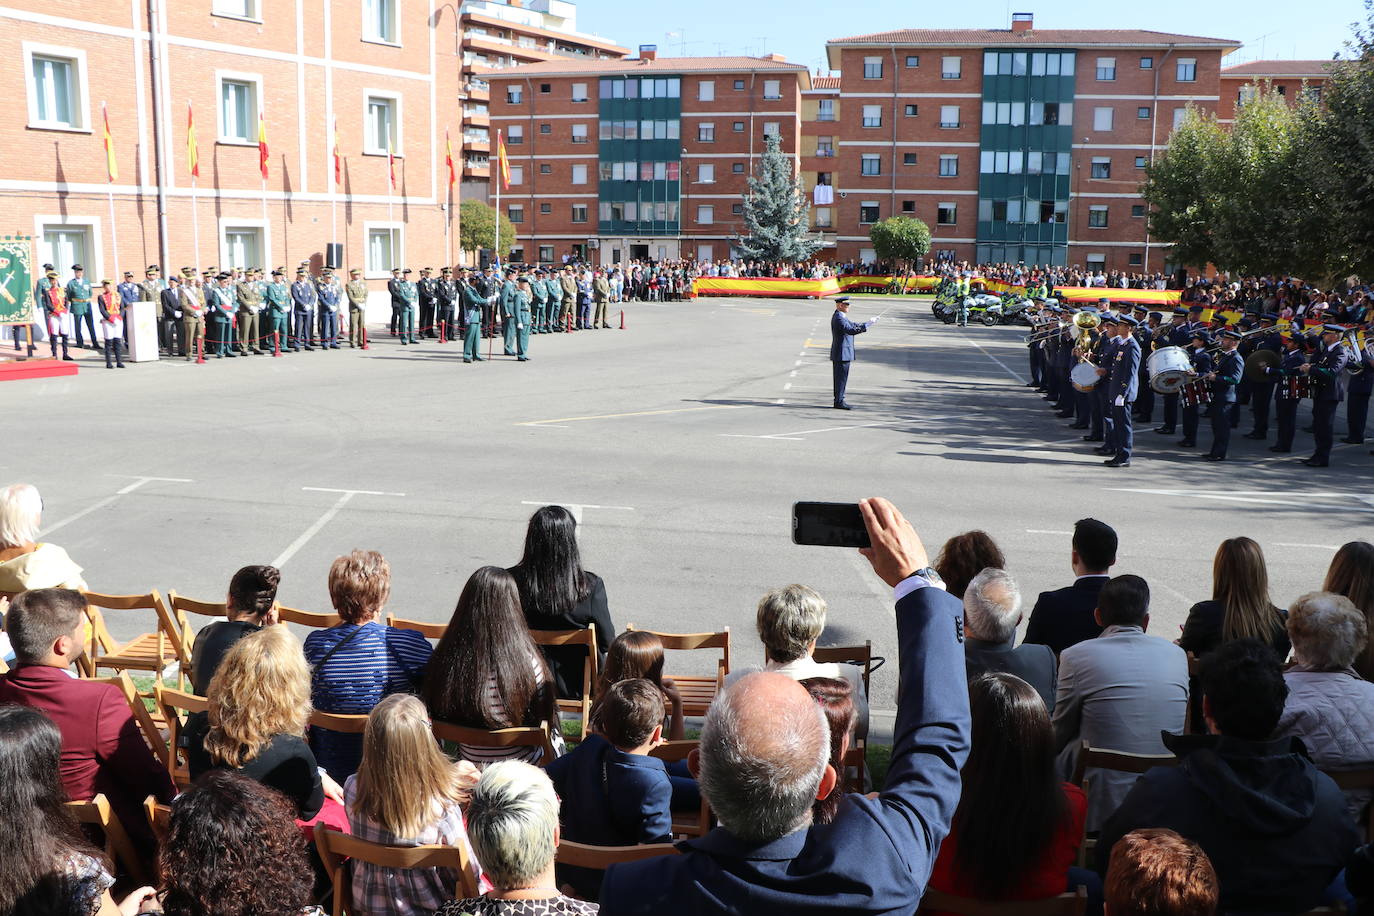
[380, 69]
[1017, 144]
[820, 117]
[1292, 79]
[645, 157]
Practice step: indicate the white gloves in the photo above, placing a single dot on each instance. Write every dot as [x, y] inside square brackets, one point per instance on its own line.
[1120, 400]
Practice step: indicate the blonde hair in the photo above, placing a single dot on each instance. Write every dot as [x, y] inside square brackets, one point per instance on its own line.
[511, 823]
[405, 781]
[21, 509]
[261, 690]
[359, 585]
[1240, 584]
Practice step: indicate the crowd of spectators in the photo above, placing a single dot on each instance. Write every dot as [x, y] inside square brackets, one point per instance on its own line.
[984, 796]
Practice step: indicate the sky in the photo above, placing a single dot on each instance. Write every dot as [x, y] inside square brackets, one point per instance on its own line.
[798, 29]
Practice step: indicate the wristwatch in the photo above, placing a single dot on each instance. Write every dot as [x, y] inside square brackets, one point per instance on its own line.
[930, 575]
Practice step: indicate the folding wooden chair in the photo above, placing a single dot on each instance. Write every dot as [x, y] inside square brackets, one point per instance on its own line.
[856, 759]
[138, 705]
[862, 656]
[587, 639]
[1194, 694]
[118, 846]
[334, 847]
[601, 858]
[526, 736]
[1119, 761]
[428, 630]
[697, 691]
[154, 652]
[347, 723]
[695, 823]
[1072, 904]
[176, 705]
[179, 607]
[159, 817]
[316, 619]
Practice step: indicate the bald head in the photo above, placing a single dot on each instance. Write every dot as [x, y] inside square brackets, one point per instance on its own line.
[765, 749]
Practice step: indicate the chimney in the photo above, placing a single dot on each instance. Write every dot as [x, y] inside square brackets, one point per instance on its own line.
[1022, 22]
[648, 52]
[775, 56]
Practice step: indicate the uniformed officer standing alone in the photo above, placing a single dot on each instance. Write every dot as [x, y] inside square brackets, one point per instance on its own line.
[357, 307]
[842, 332]
[472, 302]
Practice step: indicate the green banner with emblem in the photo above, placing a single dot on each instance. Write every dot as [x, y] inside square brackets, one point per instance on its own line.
[16, 279]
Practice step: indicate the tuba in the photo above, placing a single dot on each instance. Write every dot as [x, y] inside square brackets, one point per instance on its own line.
[1085, 321]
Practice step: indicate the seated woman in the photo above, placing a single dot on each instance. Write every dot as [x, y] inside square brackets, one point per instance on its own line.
[250, 605]
[1240, 607]
[1329, 706]
[513, 826]
[835, 698]
[361, 660]
[1017, 829]
[1352, 574]
[639, 653]
[24, 562]
[964, 556]
[487, 672]
[407, 793]
[231, 850]
[46, 865]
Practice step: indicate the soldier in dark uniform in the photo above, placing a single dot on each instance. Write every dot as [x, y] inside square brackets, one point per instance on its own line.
[1122, 383]
[1225, 377]
[1328, 390]
[1202, 365]
[79, 301]
[411, 297]
[1062, 363]
[1286, 400]
[1262, 391]
[1035, 354]
[222, 303]
[303, 299]
[1145, 399]
[171, 307]
[1357, 394]
[1096, 399]
[425, 291]
[445, 296]
[329, 294]
[1179, 334]
[398, 299]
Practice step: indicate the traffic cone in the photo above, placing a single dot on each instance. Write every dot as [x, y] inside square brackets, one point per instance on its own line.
[622, 319]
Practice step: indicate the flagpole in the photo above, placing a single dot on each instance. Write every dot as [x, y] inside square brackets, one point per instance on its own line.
[334, 184]
[496, 252]
[114, 231]
[448, 206]
[195, 224]
[109, 184]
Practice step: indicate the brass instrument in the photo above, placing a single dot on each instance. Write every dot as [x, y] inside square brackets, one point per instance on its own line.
[1085, 322]
[1352, 340]
[1046, 332]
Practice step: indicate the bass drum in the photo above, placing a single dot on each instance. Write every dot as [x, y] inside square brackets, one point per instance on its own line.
[1169, 369]
[1084, 376]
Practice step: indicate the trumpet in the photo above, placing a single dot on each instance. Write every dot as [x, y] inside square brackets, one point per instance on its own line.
[1047, 331]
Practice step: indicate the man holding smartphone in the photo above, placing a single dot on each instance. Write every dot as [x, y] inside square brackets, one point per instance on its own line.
[842, 332]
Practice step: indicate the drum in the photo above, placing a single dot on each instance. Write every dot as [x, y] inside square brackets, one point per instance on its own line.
[1295, 387]
[1084, 376]
[1195, 394]
[1169, 369]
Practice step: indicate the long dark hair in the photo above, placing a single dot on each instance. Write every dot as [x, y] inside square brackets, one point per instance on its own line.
[1013, 801]
[635, 653]
[550, 575]
[1352, 574]
[39, 835]
[487, 640]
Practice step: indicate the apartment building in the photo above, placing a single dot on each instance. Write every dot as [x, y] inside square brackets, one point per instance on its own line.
[1017, 144]
[820, 117]
[375, 74]
[646, 157]
[1292, 79]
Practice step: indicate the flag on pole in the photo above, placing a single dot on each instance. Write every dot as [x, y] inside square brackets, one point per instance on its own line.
[391, 164]
[111, 168]
[338, 163]
[262, 146]
[448, 157]
[502, 162]
[192, 151]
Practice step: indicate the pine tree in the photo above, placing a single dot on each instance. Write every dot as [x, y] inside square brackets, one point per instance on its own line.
[776, 211]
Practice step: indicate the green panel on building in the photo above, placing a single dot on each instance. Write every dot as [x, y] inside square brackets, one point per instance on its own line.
[640, 155]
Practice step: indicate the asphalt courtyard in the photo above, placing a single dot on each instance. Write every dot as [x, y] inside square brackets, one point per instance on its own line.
[681, 444]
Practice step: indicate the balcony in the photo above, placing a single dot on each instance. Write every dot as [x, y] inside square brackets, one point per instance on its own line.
[476, 170]
[477, 117]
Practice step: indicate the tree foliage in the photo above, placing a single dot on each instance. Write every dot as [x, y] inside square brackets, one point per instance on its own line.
[776, 211]
[900, 239]
[477, 228]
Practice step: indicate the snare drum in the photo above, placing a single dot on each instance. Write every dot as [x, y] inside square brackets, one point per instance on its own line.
[1195, 394]
[1169, 369]
[1295, 387]
[1084, 376]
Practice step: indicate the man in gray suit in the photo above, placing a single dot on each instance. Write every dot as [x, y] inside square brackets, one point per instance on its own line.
[992, 611]
[1118, 692]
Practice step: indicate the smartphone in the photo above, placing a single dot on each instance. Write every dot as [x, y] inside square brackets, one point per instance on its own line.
[828, 524]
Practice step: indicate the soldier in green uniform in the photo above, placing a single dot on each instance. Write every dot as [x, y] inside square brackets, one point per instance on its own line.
[471, 304]
[151, 291]
[553, 291]
[508, 332]
[410, 295]
[524, 293]
[276, 317]
[540, 294]
[356, 291]
[569, 284]
[250, 305]
[79, 301]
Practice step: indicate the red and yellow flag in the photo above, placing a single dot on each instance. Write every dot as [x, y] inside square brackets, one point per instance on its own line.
[391, 164]
[262, 146]
[192, 150]
[502, 162]
[338, 162]
[111, 168]
[448, 157]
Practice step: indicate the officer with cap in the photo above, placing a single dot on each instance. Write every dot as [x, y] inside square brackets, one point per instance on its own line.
[277, 313]
[1122, 384]
[192, 313]
[508, 303]
[410, 295]
[79, 301]
[1327, 373]
[474, 299]
[1178, 334]
[1358, 392]
[173, 305]
[1202, 366]
[523, 316]
[356, 290]
[842, 332]
[303, 300]
[398, 299]
[445, 297]
[330, 296]
[1262, 391]
[540, 294]
[59, 316]
[1225, 377]
[1104, 350]
[1145, 397]
[1287, 394]
[151, 291]
[427, 295]
[129, 291]
[570, 291]
[250, 306]
[553, 291]
[222, 303]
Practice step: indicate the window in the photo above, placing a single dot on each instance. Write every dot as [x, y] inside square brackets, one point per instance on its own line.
[705, 252]
[1106, 68]
[546, 128]
[579, 213]
[706, 91]
[1097, 216]
[545, 168]
[579, 174]
[949, 116]
[516, 135]
[946, 214]
[1140, 162]
[545, 88]
[238, 110]
[383, 250]
[825, 147]
[243, 246]
[737, 126]
[706, 173]
[737, 209]
[772, 129]
[908, 206]
[911, 111]
[1313, 94]
[379, 21]
[1281, 90]
[737, 168]
[825, 109]
[870, 164]
[1102, 119]
[868, 211]
[1143, 113]
[546, 208]
[706, 132]
[239, 9]
[951, 68]
[1102, 167]
[55, 90]
[516, 212]
[822, 217]
[873, 68]
[545, 252]
[1135, 260]
[1179, 115]
[949, 166]
[873, 116]
[1147, 63]
[517, 174]
[1137, 211]
[1187, 70]
[1096, 262]
[579, 92]
[579, 133]
[825, 178]
[739, 84]
[1051, 113]
[913, 60]
[514, 95]
[908, 158]
[706, 214]
[772, 89]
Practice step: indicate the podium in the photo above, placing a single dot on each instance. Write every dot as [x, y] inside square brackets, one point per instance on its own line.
[141, 329]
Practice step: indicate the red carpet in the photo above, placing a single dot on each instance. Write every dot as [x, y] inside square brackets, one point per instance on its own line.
[12, 370]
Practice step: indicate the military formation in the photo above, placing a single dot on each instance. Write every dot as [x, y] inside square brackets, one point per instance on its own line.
[1105, 370]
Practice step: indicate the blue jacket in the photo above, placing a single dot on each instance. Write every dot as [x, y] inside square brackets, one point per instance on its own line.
[1328, 374]
[842, 332]
[877, 855]
[1123, 372]
[1230, 369]
[303, 295]
[611, 798]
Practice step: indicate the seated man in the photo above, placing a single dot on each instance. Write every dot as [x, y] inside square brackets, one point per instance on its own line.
[1159, 873]
[103, 751]
[1065, 616]
[251, 605]
[1274, 826]
[764, 759]
[613, 792]
[992, 609]
[1118, 692]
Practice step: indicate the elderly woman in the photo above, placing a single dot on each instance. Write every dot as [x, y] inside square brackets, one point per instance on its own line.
[513, 829]
[1329, 706]
[25, 563]
[359, 661]
[790, 620]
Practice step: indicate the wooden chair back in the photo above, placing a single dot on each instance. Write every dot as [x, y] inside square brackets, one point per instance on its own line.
[1119, 761]
[429, 630]
[334, 847]
[180, 607]
[1071, 904]
[590, 665]
[155, 651]
[697, 692]
[147, 721]
[862, 656]
[856, 759]
[601, 858]
[318, 620]
[159, 817]
[685, 823]
[349, 724]
[97, 812]
[1192, 716]
[176, 705]
[526, 736]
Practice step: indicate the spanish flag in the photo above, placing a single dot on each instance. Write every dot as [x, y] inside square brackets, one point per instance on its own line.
[502, 162]
[391, 164]
[111, 168]
[192, 151]
[338, 163]
[448, 157]
[262, 146]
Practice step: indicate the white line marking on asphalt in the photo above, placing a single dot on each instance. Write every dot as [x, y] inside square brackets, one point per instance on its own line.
[1317, 546]
[1240, 496]
[1009, 370]
[787, 387]
[1046, 531]
[796, 436]
[779, 401]
[792, 374]
[314, 529]
[574, 508]
[100, 504]
[342, 490]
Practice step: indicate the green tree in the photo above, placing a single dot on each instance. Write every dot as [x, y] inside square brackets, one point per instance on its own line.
[776, 211]
[1179, 192]
[902, 240]
[477, 228]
